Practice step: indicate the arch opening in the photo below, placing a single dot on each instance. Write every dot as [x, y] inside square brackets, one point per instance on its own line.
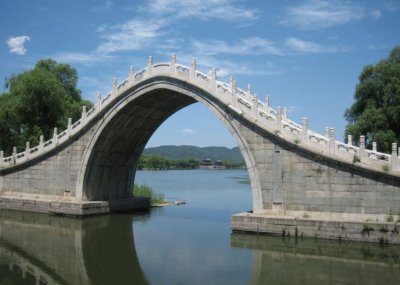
[110, 163]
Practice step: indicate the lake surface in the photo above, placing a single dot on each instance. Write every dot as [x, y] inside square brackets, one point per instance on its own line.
[188, 244]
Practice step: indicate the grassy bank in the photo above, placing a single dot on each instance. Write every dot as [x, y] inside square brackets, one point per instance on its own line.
[146, 191]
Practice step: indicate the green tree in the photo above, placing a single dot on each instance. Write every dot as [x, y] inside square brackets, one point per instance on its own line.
[38, 100]
[376, 110]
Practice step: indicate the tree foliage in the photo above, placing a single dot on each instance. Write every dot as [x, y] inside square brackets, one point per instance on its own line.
[376, 110]
[37, 101]
[159, 162]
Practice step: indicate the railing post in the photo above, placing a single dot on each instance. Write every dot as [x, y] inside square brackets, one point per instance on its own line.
[374, 147]
[249, 90]
[327, 133]
[55, 139]
[254, 106]
[332, 143]
[131, 75]
[1, 158]
[173, 64]
[84, 115]
[114, 87]
[41, 143]
[193, 70]
[14, 155]
[233, 93]
[213, 81]
[267, 104]
[149, 66]
[27, 149]
[349, 139]
[98, 101]
[362, 152]
[304, 129]
[278, 121]
[69, 127]
[395, 161]
[284, 115]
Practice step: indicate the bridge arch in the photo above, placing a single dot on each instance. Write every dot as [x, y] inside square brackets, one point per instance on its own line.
[110, 161]
[295, 172]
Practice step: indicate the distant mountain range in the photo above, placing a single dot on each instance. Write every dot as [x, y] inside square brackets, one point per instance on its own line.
[199, 153]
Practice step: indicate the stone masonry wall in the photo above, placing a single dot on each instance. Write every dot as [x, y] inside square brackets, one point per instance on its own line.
[297, 182]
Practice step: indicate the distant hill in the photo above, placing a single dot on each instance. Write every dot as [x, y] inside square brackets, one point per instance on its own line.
[199, 153]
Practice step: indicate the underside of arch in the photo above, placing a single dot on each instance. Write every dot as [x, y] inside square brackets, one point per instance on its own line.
[120, 140]
[114, 158]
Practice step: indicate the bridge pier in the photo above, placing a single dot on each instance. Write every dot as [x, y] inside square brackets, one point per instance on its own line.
[60, 206]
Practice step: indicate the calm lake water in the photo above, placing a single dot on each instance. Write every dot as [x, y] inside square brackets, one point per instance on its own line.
[188, 244]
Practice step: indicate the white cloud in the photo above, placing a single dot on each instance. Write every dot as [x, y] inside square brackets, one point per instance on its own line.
[157, 15]
[376, 14]
[189, 131]
[132, 35]
[17, 44]
[301, 46]
[203, 9]
[106, 6]
[246, 46]
[226, 67]
[79, 57]
[318, 14]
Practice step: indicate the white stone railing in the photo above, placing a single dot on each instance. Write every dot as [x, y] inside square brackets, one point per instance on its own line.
[243, 102]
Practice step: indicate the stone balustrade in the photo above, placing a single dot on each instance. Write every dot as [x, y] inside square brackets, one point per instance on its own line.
[245, 103]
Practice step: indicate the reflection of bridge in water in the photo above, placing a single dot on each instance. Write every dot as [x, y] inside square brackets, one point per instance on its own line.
[41, 249]
[55, 250]
[308, 261]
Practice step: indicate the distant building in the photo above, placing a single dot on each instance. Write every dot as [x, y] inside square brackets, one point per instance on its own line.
[208, 164]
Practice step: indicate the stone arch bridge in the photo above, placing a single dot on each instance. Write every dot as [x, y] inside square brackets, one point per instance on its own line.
[90, 167]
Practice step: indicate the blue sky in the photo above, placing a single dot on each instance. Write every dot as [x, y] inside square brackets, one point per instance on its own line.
[306, 55]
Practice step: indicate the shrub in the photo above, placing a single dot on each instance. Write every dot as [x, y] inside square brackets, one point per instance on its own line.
[146, 191]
